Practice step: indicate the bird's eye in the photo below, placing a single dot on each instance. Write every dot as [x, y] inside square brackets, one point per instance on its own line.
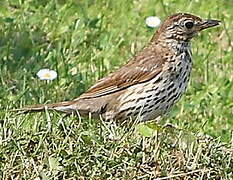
[189, 24]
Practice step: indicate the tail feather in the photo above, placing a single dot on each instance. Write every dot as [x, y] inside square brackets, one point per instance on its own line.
[81, 107]
[64, 107]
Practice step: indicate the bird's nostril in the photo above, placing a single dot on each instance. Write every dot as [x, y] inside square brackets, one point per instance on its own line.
[209, 23]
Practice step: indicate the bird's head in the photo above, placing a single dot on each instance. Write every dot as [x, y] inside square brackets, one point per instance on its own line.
[183, 27]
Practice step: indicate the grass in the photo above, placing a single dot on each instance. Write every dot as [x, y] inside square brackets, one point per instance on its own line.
[83, 41]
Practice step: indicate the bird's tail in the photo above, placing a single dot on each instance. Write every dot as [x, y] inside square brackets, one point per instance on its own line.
[67, 107]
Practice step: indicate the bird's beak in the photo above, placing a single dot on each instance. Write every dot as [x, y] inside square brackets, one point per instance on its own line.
[207, 23]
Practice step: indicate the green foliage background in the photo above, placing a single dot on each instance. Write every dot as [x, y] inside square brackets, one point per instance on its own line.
[84, 40]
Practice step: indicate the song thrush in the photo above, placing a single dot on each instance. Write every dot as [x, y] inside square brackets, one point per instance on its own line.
[149, 84]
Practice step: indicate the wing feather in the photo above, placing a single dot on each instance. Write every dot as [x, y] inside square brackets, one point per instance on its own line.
[141, 68]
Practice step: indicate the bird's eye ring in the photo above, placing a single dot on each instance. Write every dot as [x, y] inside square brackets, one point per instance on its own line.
[189, 24]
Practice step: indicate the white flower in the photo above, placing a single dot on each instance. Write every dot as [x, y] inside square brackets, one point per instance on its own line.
[37, 178]
[153, 21]
[46, 74]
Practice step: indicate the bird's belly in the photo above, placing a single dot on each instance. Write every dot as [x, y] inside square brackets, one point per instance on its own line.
[147, 101]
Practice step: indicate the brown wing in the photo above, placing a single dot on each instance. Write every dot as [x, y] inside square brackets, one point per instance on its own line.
[143, 67]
